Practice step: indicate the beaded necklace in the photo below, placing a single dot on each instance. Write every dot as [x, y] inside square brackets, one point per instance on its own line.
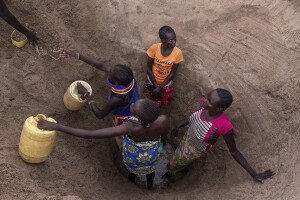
[121, 89]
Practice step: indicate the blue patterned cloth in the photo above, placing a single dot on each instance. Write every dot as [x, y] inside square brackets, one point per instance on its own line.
[140, 157]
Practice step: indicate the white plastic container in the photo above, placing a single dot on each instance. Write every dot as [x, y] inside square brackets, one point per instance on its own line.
[72, 99]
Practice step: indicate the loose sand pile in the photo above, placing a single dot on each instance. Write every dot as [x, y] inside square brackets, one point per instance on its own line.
[250, 47]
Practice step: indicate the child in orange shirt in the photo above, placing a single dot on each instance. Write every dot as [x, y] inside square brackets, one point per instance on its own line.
[163, 62]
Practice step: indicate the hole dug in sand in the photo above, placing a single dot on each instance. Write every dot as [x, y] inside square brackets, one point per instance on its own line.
[248, 47]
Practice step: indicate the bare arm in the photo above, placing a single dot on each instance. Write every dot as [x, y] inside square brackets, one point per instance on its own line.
[150, 72]
[166, 124]
[157, 92]
[12, 20]
[229, 139]
[183, 123]
[93, 62]
[169, 77]
[97, 134]
[109, 106]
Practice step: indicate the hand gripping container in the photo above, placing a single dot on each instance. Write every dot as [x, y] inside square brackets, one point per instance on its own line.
[74, 101]
[36, 144]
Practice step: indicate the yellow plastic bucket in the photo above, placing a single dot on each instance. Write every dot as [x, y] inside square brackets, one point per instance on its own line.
[36, 144]
[74, 101]
[16, 43]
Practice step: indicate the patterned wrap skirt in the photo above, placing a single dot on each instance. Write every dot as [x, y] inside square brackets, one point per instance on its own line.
[183, 156]
[140, 157]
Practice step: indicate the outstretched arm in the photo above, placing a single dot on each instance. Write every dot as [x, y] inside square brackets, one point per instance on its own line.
[229, 139]
[97, 134]
[65, 53]
[12, 20]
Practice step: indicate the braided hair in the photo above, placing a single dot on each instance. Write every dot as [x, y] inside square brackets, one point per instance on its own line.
[148, 111]
[226, 98]
[163, 30]
[122, 74]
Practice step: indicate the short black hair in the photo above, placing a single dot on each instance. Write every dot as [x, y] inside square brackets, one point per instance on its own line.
[122, 74]
[148, 111]
[226, 98]
[163, 30]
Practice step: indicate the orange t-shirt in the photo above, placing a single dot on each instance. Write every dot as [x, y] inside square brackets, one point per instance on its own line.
[162, 65]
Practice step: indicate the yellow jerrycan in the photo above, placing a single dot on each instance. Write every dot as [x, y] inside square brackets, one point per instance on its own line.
[74, 101]
[36, 144]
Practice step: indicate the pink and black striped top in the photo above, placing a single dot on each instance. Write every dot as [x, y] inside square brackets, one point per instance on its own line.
[203, 133]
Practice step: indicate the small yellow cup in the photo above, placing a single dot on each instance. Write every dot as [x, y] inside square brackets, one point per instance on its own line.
[16, 43]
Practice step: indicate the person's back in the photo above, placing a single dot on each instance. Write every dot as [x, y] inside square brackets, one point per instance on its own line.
[155, 130]
[146, 132]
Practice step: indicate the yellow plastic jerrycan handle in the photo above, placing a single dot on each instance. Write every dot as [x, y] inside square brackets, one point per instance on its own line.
[33, 121]
[35, 144]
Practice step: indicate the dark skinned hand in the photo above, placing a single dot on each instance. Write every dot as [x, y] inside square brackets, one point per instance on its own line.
[264, 175]
[32, 38]
[46, 125]
[81, 89]
[65, 53]
[157, 93]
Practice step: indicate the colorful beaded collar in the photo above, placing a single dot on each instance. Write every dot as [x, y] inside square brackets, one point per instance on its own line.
[121, 89]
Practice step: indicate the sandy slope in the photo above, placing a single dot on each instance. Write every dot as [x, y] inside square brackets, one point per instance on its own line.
[250, 47]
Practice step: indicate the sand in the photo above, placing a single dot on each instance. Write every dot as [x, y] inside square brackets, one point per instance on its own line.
[250, 47]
